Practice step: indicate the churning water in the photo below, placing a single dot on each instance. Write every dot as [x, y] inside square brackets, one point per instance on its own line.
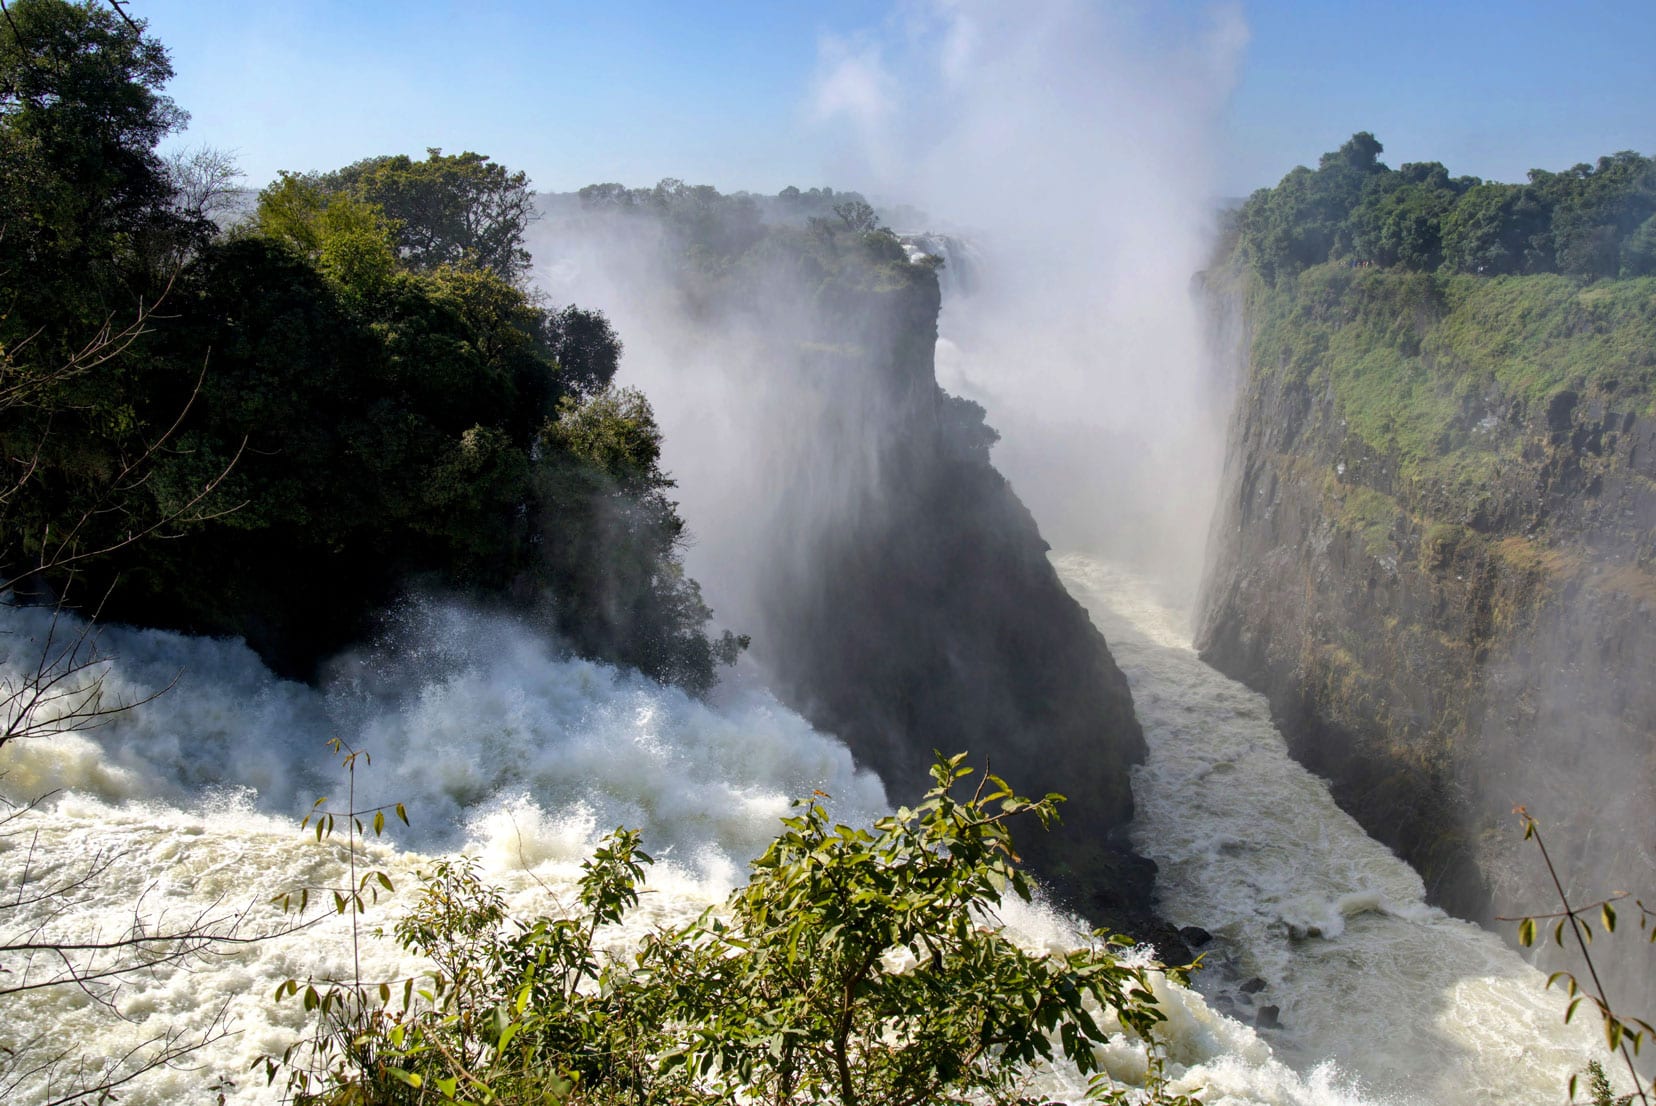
[507, 751]
[1416, 1005]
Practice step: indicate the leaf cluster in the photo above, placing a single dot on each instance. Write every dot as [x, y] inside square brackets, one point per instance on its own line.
[867, 966]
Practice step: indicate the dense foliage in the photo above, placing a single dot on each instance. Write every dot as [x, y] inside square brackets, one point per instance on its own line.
[707, 230]
[1415, 299]
[858, 966]
[446, 209]
[342, 396]
[1588, 221]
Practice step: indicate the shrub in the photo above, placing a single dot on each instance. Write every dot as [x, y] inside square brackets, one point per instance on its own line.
[859, 966]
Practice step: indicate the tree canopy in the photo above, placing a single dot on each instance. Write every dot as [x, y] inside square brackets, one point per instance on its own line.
[344, 396]
[1589, 221]
[447, 209]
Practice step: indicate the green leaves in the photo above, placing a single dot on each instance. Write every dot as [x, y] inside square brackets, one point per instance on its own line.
[1621, 1033]
[860, 964]
[1590, 221]
[857, 966]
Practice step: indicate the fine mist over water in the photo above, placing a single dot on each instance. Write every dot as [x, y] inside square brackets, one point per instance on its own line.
[1074, 147]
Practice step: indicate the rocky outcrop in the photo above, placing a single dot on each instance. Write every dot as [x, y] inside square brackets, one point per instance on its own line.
[1450, 597]
[847, 517]
[916, 610]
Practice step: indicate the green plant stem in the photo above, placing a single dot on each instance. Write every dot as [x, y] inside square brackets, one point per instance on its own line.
[1592, 971]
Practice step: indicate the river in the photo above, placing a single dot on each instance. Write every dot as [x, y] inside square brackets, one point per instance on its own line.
[187, 808]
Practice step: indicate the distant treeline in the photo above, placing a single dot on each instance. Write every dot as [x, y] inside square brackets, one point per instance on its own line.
[1589, 221]
[709, 228]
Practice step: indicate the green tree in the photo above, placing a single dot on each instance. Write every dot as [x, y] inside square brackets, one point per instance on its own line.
[856, 965]
[87, 225]
[348, 239]
[1303, 220]
[1638, 254]
[1489, 229]
[90, 238]
[587, 349]
[1400, 218]
[447, 209]
[611, 543]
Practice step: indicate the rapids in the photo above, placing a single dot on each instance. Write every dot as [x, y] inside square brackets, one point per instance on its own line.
[505, 750]
[1416, 1005]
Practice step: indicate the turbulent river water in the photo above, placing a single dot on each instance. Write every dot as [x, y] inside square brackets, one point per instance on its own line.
[186, 808]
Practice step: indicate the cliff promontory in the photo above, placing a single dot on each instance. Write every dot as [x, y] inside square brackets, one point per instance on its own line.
[846, 512]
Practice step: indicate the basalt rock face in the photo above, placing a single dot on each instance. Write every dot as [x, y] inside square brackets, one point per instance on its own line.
[1435, 552]
[915, 610]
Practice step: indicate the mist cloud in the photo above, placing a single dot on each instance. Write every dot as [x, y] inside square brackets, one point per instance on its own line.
[1076, 147]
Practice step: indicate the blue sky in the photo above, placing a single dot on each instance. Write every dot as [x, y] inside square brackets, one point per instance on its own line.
[722, 93]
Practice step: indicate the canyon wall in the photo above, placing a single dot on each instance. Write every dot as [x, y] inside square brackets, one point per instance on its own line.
[1435, 552]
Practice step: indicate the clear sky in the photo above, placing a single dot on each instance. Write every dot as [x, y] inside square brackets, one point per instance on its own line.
[721, 93]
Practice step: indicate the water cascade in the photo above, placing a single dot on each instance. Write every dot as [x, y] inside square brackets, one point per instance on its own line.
[501, 749]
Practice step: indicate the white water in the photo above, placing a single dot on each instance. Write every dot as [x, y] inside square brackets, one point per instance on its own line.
[1418, 1006]
[508, 752]
[501, 749]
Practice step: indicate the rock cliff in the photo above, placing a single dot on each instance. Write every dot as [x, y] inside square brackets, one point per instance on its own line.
[1435, 552]
[930, 618]
[846, 515]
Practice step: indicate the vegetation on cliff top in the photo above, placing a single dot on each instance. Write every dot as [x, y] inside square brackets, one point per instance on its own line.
[344, 395]
[1418, 362]
[1363, 283]
[1589, 221]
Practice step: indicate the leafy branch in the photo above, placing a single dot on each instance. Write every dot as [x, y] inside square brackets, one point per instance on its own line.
[1622, 1033]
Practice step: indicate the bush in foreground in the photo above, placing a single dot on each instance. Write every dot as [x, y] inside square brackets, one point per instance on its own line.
[859, 966]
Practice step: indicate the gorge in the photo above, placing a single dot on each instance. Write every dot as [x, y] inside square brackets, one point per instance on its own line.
[524, 520]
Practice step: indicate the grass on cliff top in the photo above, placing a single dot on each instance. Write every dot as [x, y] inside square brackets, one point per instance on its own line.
[1421, 365]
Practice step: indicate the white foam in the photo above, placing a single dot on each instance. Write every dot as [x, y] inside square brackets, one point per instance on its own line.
[501, 749]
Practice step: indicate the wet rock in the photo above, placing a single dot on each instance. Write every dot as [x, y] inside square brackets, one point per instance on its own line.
[1435, 647]
[1253, 986]
[1268, 1017]
[1195, 936]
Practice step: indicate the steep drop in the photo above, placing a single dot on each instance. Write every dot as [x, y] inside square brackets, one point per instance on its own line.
[1433, 554]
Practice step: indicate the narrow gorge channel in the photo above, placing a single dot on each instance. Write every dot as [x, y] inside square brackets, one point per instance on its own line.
[1320, 932]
